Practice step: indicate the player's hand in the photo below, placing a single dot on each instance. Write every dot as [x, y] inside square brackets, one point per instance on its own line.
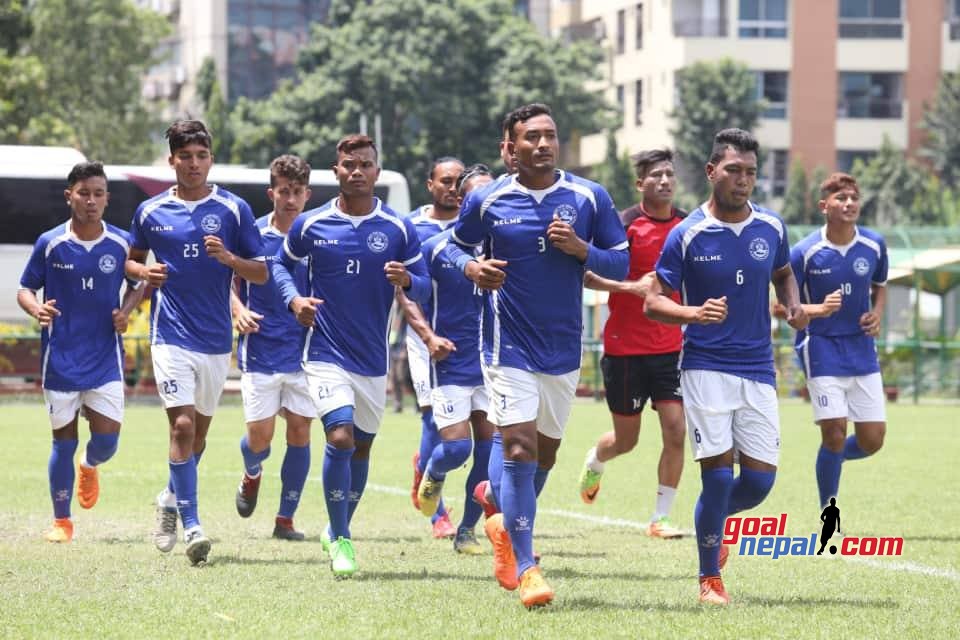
[397, 274]
[246, 321]
[47, 312]
[563, 237]
[831, 304]
[797, 317]
[119, 321]
[488, 274]
[778, 311]
[870, 323]
[641, 287]
[440, 347]
[155, 274]
[713, 311]
[305, 309]
[216, 250]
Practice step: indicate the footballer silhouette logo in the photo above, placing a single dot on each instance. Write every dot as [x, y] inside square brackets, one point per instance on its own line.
[107, 263]
[378, 242]
[565, 213]
[861, 266]
[210, 223]
[759, 249]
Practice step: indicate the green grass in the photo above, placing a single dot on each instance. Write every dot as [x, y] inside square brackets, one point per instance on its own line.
[611, 580]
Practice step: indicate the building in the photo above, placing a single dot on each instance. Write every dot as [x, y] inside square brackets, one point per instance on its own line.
[837, 75]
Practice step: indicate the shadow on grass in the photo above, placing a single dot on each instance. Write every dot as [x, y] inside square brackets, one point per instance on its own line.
[566, 572]
[388, 539]
[417, 575]
[595, 604]
[807, 602]
[318, 561]
[560, 553]
[954, 538]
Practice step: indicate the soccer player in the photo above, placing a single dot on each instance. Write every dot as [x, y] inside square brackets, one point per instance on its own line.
[542, 228]
[268, 353]
[359, 250]
[722, 258]
[430, 220]
[79, 266]
[641, 357]
[200, 235]
[842, 260]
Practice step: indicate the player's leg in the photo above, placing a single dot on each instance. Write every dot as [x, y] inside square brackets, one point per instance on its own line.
[370, 403]
[63, 408]
[466, 540]
[868, 413]
[103, 408]
[452, 417]
[828, 395]
[298, 411]
[673, 432]
[261, 403]
[756, 436]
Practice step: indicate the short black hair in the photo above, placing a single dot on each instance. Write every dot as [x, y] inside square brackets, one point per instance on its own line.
[644, 160]
[293, 168]
[185, 132]
[356, 141]
[443, 160]
[84, 170]
[471, 172]
[522, 114]
[742, 141]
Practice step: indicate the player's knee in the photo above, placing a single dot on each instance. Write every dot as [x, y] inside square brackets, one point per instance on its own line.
[457, 452]
[521, 451]
[755, 486]
[834, 437]
[625, 442]
[183, 429]
[871, 442]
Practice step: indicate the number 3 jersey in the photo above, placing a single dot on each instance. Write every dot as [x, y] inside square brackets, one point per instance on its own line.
[80, 350]
[837, 345]
[192, 308]
[703, 258]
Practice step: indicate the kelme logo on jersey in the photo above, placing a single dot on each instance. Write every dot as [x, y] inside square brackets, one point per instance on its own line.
[861, 266]
[759, 249]
[378, 242]
[210, 223]
[565, 213]
[107, 263]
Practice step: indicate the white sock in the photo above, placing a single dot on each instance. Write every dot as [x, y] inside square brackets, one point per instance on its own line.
[592, 463]
[665, 496]
[167, 499]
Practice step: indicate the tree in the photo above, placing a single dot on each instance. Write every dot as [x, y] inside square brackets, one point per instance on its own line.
[617, 175]
[216, 113]
[813, 212]
[796, 205]
[440, 75]
[941, 120]
[711, 96]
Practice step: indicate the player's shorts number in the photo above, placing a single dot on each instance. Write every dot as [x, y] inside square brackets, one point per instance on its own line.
[191, 250]
[353, 266]
[323, 391]
[696, 435]
[169, 386]
[739, 276]
[823, 401]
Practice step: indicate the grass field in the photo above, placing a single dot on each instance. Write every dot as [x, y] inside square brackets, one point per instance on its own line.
[611, 580]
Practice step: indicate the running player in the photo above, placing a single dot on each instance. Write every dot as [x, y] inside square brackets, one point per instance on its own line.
[842, 260]
[268, 353]
[200, 235]
[79, 266]
[359, 250]
[542, 227]
[722, 258]
[641, 357]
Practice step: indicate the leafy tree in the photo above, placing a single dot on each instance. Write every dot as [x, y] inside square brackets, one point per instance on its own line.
[617, 174]
[216, 113]
[819, 175]
[14, 25]
[440, 75]
[206, 77]
[796, 204]
[711, 96]
[942, 122]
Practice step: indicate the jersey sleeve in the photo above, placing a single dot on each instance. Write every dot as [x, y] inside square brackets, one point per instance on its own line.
[669, 266]
[282, 270]
[412, 258]
[782, 258]
[883, 265]
[796, 263]
[608, 255]
[250, 241]
[35, 273]
[138, 240]
[470, 228]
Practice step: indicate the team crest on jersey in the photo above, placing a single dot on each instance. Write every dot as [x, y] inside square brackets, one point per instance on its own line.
[861, 266]
[210, 223]
[566, 213]
[107, 263]
[378, 242]
[759, 249]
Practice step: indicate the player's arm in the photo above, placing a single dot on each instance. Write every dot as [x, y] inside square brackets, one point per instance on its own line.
[661, 307]
[608, 254]
[438, 346]
[639, 288]
[410, 272]
[131, 298]
[251, 269]
[870, 321]
[289, 254]
[246, 320]
[788, 295]
[136, 268]
[33, 279]
[43, 312]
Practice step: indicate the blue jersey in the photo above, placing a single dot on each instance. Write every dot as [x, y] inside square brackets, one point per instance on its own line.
[278, 345]
[456, 316]
[427, 227]
[192, 308]
[80, 350]
[347, 255]
[837, 345]
[706, 258]
[535, 320]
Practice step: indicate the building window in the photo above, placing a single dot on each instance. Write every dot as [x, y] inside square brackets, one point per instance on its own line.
[870, 95]
[763, 19]
[953, 16]
[846, 158]
[773, 173]
[639, 29]
[700, 18]
[871, 19]
[621, 31]
[772, 88]
[638, 103]
[622, 101]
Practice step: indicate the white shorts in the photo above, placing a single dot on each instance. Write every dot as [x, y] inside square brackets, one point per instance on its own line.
[453, 405]
[332, 387]
[858, 398]
[62, 406]
[418, 359]
[265, 393]
[189, 378]
[726, 412]
[521, 396]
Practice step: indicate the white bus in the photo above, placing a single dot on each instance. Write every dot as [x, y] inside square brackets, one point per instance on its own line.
[31, 201]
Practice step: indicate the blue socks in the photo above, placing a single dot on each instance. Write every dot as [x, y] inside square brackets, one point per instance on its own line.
[749, 489]
[519, 504]
[447, 456]
[359, 469]
[709, 517]
[540, 479]
[293, 475]
[336, 487]
[183, 476]
[478, 473]
[61, 475]
[196, 458]
[101, 448]
[429, 438]
[852, 451]
[252, 460]
[495, 466]
[829, 465]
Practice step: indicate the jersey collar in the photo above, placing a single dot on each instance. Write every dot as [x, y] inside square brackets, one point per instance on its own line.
[540, 194]
[736, 227]
[87, 244]
[356, 221]
[842, 249]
